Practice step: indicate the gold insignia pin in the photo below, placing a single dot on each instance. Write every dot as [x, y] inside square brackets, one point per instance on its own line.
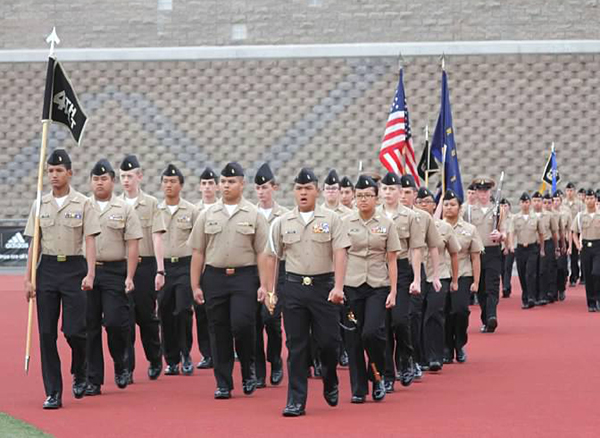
[59, 158]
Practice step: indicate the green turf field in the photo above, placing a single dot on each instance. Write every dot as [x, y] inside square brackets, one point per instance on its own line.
[12, 428]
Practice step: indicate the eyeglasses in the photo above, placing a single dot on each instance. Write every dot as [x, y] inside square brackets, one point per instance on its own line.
[331, 189]
[364, 196]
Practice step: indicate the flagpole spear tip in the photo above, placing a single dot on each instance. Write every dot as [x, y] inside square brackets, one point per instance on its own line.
[53, 39]
[400, 61]
[426, 132]
[443, 59]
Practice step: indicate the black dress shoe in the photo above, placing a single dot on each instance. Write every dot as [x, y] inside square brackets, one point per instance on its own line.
[425, 367]
[388, 386]
[318, 370]
[249, 386]
[222, 394]
[53, 402]
[154, 370]
[294, 410]
[525, 306]
[448, 360]
[483, 329]
[187, 366]
[418, 372]
[572, 283]
[407, 375]
[205, 363]
[172, 370]
[561, 296]
[358, 399]
[122, 379]
[276, 375]
[461, 355]
[592, 309]
[344, 359]
[92, 389]
[79, 388]
[492, 324]
[260, 383]
[435, 366]
[332, 397]
[130, 379]
[379, 391]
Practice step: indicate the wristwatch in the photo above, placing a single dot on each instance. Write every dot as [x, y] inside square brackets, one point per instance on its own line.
[161, 273]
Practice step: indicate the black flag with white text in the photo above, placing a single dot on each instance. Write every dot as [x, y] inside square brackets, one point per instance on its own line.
[60, 101]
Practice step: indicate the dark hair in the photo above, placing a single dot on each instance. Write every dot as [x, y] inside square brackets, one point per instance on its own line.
[111, 173]
[180, 176]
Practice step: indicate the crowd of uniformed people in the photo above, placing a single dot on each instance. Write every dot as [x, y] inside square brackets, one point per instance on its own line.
[378, 277]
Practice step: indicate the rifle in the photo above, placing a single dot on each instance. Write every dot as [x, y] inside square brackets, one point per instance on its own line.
[497, 202]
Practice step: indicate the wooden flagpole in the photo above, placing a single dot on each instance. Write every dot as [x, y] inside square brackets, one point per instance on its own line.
[35, 252]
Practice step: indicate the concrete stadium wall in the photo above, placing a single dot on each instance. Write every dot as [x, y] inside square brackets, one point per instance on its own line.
[24, 24]
[321, 113]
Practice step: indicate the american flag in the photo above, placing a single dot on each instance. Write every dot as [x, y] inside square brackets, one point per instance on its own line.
[397, 153]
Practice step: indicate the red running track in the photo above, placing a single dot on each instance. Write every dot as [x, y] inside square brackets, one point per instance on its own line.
[537, 376]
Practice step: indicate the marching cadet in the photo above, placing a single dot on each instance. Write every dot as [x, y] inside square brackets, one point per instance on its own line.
[526, 241]
[508, 256]
[228, 273]
[586, 227]
[313, 289]
[433, 240]
[67, 219]
[469, 269]
[371, 288]
[547, 273]
[581, 193]
[175, 298]
[117, 252]
[575, 206]
[347, 193]
[466, 214]
[331, 193]
[491, 230]
[150, 273]
[209, 183]
[265, 186]
[399, 348]
[434, 301]
[565, 222]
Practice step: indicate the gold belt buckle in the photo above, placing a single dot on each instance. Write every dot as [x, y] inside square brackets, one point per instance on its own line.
[61, 258]
[139, 260]
[229, 271]
[307, 281]
[174, 259]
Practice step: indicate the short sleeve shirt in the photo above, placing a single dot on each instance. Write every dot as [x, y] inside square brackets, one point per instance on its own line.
[119, 223]
[525, 229]
[151, 220]
[179, 227]
[470, 243]
[409, 230]
[449, 244]
[588, 225]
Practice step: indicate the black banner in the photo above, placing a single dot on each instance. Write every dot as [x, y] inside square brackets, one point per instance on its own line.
[13, 246]
[60, 101]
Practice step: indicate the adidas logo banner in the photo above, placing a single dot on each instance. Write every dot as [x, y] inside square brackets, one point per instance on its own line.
[13, 246]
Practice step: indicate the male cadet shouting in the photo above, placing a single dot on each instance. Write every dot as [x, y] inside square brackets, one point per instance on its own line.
[150, 274]
[228, 241]
[310, 238]
[265, 186]
[66, 219]
[175, 299]
[116, 262]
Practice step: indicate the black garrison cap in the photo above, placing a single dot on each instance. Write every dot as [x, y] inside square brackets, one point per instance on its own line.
[332, 178]
[102, 167]
[263, 175]
[408, 181]
[424, 192]
[130, 162]
[365, 181]
[537, 195]
[525, 197]
[172, 170]
[390, 179]
[306, 176]
[208, 173]
[451, 194]
[59, 156]
[232, 169]
[345, 182]
[570, 185]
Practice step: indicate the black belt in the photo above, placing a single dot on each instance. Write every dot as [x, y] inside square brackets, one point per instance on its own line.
[115, 263]
[61, 258]
[529, 245]
[309, 280]
[177, 260]
[146, 260]
[231, 271]
[591, 243]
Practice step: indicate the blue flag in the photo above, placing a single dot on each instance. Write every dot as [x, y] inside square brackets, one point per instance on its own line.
[554, 171]
[444, 136]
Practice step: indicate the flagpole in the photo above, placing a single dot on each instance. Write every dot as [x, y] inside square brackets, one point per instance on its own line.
[428, 146]
[444, 169]
[52, 39]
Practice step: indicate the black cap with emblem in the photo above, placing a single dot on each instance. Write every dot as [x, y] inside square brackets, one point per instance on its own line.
[570, 185]
[346, 183]
[172, 170]
[332, 178]
[590, 192]
[525, 197]
[558, 194]
[581, 191]
[424, 192]
[483, 183]
[504, 201]
[391, 179]
[208, 173]
[449, 195]
[129, 163]
[547, 197]
[365, 182]
[471, 186]
[305, 176]
[264, 174]
[232, 169]
[537, 195]
[102, 167]
[408, 181]
[58, 157]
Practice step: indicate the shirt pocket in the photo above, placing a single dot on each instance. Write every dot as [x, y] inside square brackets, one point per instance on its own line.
[212, 228]
[184, 225]
[291, 238]
[321, 237]
[403, 228]
[245, 228]
[46, 222]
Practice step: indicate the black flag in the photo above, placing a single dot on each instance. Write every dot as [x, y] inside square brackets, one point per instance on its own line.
[547, 176]
[60, 101]
[424, 166]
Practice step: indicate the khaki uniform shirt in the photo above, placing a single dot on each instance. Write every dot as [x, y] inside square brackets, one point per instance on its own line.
[151, 220]
[230, 241]
[588, 225]
[63, 229]
[428, 228]
[341, 209]
[277, 211]
[119, 223]
[179, 227]
[565, 220]
[408, 229]
[201, 205]
[549, 224]
[484, 221]
[307, 247]
[370, 243]
[449, 244]
[470, 243]
[575, 207]
[525, 230]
